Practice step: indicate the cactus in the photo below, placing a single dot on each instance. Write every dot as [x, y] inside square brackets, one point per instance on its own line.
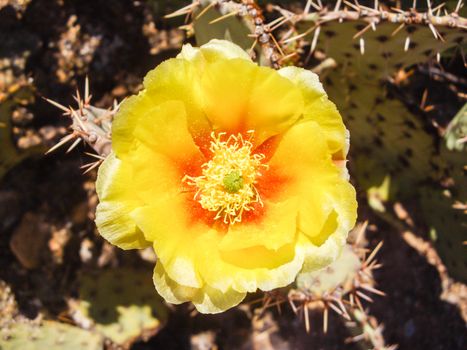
[48, 335]
[121, 305]
[444, 204]
[341, 287]
[10, 155]
[89, 124]
[366, 332]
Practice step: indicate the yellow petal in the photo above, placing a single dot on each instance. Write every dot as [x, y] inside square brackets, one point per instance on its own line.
[117, 200]
[246, 270]
[164, 130]
[172, 80]
[154, 176]
[165, 223]
[240, 96]
[319, 109]
[214, 50]
[327, 202]
[207, 300]
[277, 228]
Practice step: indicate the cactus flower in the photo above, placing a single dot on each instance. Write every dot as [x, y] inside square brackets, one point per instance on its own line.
[234, 173]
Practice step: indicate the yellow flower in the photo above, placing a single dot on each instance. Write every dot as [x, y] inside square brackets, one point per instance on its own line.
[234, 173]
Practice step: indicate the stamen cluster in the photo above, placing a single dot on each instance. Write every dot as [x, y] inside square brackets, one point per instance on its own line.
[227, 183]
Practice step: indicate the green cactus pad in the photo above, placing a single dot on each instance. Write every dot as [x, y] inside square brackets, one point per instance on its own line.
[9, 154]
[121, 304]
[338, 274]
[48, 335]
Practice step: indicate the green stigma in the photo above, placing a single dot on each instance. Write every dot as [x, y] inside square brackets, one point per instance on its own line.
[233, 181]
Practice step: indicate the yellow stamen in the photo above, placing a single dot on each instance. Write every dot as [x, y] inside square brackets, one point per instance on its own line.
[227, 183]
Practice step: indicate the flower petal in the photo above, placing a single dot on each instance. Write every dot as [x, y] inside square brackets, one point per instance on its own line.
[240, 96]
[275, 229]
[117, 200]
[164, 130]
[214, 50]
[165, 223]
[319, 109]
[246, 270]
[172, 80]
[207, 300]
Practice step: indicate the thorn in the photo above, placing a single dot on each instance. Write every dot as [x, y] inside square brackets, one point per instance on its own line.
[93, 166]
[183, 11]
[414, 4]
[56, 104]
[373, 253]
[78, 119]
[87, 97]
[407, 44]
[307, 317]
[438, 57]
[356, 8]
[362, 31]
[299, 36]
[206, 9]
[95, 155]
[373, 290]
[397, 30]
[325, 320]
[315, 39]
[362, 46]
[218, 19]
[61, 143]
[338, 5]
[276, 44]
[361, 232]
[458, 6]
[364, 296]
[424, 98]
[73, 145]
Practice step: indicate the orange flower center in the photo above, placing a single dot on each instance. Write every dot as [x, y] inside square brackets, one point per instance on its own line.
[227, 183]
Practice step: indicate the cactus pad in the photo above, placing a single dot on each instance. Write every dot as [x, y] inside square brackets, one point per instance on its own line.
[122, 305]
[48, 335]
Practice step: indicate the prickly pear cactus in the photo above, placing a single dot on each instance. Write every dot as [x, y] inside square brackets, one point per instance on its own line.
[341, 273]
[48, 335]
[121, 305]
[10, 155]
[444, 204]
[369, 47]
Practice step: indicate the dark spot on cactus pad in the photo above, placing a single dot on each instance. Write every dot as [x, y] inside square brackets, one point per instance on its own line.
[380, 117]
[411, 29]
[398, 65]
[373, 66]
[348, 54]
[352, 87]
[329, 33]
[409, 153]
[351, 117]
[459, 39]
[329, 82]
[428, 52]
[353, 105]
[386, 54]
[382, 38]
[407, 134]
[413, 45]
[356, 47]
[378, 101]
[403, 160]
[359, 27]
[410, 124]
